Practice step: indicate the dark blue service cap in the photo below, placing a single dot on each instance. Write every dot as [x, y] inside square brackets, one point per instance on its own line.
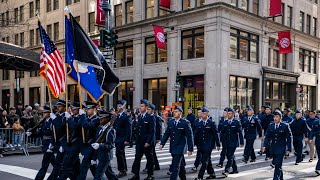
[61, 102]
[205, 109]
[249, 108]
[226, 109]
[190, 108]
[122, 102]
[76, 105]
[287, 109]
[267, 107]
[178, 108]
[298, 111]
[152, 106]
[91, 104]
[103, 114]
[277, 112]
[144, 101]
[46, 109]
[230, 110]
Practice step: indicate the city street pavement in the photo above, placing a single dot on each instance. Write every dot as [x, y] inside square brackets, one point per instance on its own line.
[18, 167]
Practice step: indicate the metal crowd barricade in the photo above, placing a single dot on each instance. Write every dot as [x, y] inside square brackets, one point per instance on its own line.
[33, 143]
[12, 141]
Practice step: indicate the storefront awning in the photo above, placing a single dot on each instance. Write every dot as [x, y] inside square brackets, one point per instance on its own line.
[280, 75]
[13, 57]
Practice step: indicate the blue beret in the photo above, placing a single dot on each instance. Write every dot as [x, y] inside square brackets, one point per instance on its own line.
[91, 104]
[298, 111]
[205, 109]
[122, 102]
[276, 112]
[103, 114]
[178, 108]
[152, 106]
[144, 101]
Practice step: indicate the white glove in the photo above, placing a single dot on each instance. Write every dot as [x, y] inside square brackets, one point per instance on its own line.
[50, 146]
[49, 151]
[67, 115]
[28, 133]
[61, 149]
[6, 123]
[52, 116]
[104, 127]
[81, 111]
[93, 162]
[95, 146]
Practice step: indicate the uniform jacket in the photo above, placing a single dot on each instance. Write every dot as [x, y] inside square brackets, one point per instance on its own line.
[231, 134]
[158, 123]
[206, 136]
[107, 144]
[310, 123]
[299, 128]
[191, 118]
[45, 132]
[266, 120]
[59, 128]
[146, 130]
[278, 140]
[123, 127]
[251, 127]
[287, 119]
[181, 137]
[90, 125]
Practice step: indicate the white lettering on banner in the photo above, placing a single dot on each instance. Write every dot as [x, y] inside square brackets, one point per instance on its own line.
[284, 43]
[161, 37]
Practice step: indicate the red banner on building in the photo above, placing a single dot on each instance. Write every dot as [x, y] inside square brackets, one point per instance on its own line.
[275, 7]
[101, 15]
[160, 38]
[165, 3]
[284, 41]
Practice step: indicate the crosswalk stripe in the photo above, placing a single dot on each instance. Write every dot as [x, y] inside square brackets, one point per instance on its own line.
[20, 171]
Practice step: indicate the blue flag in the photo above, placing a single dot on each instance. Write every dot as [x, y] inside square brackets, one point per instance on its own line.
[87, 74]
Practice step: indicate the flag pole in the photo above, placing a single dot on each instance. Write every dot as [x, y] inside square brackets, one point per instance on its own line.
[67, 99]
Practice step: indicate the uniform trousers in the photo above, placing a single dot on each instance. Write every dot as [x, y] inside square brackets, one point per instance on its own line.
[87, 152]
[48, 157]
[248, 150]
[231, 159]
[297, 145]
[155, 159]
[222, 155]
[178, 167]
[206, 164]
[121, 157]
[57, 166]
[318, 163]
[104, 167]
[140, 151]
[198, 159]
[277, 161]
[70, 166]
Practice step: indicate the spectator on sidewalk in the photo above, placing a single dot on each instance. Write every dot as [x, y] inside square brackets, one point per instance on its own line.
[27, 120]
[17, 132]
[2, 127]
[19, 110]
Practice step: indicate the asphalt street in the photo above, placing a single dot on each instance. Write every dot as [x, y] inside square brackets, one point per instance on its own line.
[19, 167]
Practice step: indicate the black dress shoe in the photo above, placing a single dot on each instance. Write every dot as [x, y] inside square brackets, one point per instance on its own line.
[272, 165]
[245, 161]
[145, 170]
[225, 174]
[219, 165]
[252, 160]
[318, 172]
[211, 176]
[157, 168]
[310, 160]
[135, 177]
[234, 172]
[306, 152]
[260, 153]
[149, 178]
[121, 174]
[296, 163]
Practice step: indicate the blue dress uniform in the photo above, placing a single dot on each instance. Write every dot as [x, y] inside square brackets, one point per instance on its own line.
[251, 126]
[299, 131]
[59, 131]
[206, 138]
[287, 119]
[198, 155]
[265, 122]
[316, 133]
[45, 131]
[105, 150]
[90, 125]
[180, 134]
[278, 139]
[224, 150]
[192, 119]
[311, 144]
[231, 132]
[146, 134]
[123, 128]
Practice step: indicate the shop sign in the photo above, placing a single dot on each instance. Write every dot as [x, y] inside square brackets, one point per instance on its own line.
[280, 77]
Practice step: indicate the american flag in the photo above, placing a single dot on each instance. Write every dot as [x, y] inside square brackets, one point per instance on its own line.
[51, 64]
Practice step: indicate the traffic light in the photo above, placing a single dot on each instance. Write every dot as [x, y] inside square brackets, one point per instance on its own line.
[108, 38]
[178, 78]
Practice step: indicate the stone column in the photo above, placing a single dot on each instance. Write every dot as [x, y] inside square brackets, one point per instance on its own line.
[138, 13]
[26, 80]
[43, 92]
[173, 58]
[138, 71]
[12, 86]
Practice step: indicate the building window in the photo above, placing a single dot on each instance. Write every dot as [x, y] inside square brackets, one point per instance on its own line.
[49, 5]
[118, 14]
[308, 24]
[276, 90]
[200, 3]
[124, 54]
[21, 14]
[2, 20]
[75, 1]
[276, 60]
[16, 15]
[129, 12]
[244, 5]
[307, 61]
[73, 93]
[31, 38]
[243, 92]
[77, 19]
[34, 73]
[314, 27]
[34, 95]
[16, 39]
[255, 7]
[161, 12]
[31, 11]
[234, 3]
[56, 31]
[284, 61]
[306, 97]
[5, 74]
[7, 18]
[68, 2]
[149, 9]
[22, 39]
[154, 54]
[49, 30]
[243, 45]
[302, 21]
[55, 4]
[19, 74]
[155, 90]
[186, 4]
[283, 17]
[289, 16]
[124, 91]
[193, 43]
[7, 39]
[38, 5]
[91, 22]
[37, 37]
